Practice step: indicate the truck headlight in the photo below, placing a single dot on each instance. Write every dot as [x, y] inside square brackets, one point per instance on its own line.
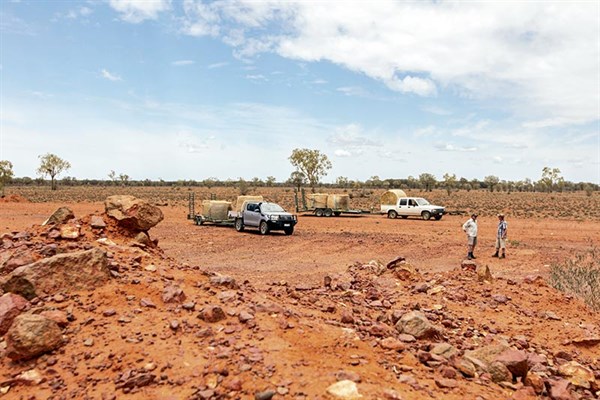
[274, 217]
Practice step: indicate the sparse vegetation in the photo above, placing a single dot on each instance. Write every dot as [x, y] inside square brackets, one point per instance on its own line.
[312, 163]
[52, 165]
[6, 174]
[579, 276]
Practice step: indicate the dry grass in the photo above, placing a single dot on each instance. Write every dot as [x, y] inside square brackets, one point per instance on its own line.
[579, 276]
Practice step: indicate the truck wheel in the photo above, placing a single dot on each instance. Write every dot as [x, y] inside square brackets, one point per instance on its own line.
[263, 228]
[438, 217]
[392, 214]
[426, 215]
[239, 225]
[289, 231]
[337, 213]
[319, 212]
[328, 212]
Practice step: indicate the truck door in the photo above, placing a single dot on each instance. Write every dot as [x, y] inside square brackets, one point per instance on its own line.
[413, 207]
[252, 214]
[402, 210]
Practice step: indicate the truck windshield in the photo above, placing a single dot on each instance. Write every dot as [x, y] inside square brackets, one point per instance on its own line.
[422, 202]
[271, 207]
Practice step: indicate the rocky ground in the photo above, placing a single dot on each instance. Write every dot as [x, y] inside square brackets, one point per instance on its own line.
[94, 307]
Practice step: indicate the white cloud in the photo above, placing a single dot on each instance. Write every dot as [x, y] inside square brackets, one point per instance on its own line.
[136, 11]
[110, 76]
[353, 91]
[342, 153]
[452, 147]
[539, 57]
[218, 65]
[257, 77]
[182, 63]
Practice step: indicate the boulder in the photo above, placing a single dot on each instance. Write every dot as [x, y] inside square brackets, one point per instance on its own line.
[484, 274]
[515, 361]
[416, 324]
[78, 270]
[32, 335]
[577, 374]
[60, 216]
[345, 389]
[17, 260]
[133, 213]
[11, 305]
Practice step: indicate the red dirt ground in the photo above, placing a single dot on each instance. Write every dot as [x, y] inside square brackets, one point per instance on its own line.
[300, 350]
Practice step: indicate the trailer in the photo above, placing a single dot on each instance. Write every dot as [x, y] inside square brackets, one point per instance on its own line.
[220, 216]
[324, 205]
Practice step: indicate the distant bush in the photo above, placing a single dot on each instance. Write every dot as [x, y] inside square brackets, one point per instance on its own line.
[579, 276]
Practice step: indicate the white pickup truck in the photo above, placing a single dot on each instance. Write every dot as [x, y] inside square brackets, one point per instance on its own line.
[413, 206]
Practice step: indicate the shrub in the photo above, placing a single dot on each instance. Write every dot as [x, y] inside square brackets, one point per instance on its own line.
[579, 276]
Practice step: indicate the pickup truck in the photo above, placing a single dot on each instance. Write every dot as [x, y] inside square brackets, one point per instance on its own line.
[413, 206]
[265, 216]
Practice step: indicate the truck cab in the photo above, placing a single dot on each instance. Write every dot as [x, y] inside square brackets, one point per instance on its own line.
[413, 206]
[265, 216]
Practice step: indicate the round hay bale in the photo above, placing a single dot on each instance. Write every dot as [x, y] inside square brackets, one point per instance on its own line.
[338, 202]
[215, 210]
[391, 196]
[241, 199]
[317, 200]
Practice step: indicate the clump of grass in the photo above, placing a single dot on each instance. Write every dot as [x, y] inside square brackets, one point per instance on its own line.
[579, 276]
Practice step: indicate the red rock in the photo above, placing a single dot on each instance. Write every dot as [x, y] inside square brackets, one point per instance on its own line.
[60, 317]
[173, 294]
[11, 305]
[559, 389]
[32, 335]
[515, 361]
[212, 313]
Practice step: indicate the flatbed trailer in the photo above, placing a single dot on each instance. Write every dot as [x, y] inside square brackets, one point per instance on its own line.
[200, 219]
[301, 206]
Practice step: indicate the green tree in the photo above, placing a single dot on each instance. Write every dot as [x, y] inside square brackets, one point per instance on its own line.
[124, 178]
[428, 181]
[312, 163]
[270, 181]
[449, 182]
[112, 175]
[52, 165]
[6, 174]
[491, 182]
[297, 179]
[551, 179]
[342, 181]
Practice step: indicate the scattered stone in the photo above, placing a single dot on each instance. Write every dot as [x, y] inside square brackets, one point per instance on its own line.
[391, 343]
[266, 395]
[110, 312]
[577, 374]
[484, 274]
[174, 324]
[245, 316]
[145, 302]
[223, 280]
[143, 239]
[32, 377]
[97, 222]
[69, 231]
[515, 361]
[445, 350]
[173, 294]
[88, 342]
[31, 335]
[468, 265]
[347, 317]
[133, 213]
[150, 268]
[345, 389]
[558, 389]
[212, 313]
[499, 372]
[445, 383]
[11, 305]
[551, 315]
[416, 324]
[60, 216]
[536, 382]
[348, 375]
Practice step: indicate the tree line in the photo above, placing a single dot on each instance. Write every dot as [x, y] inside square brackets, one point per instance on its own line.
[311, 166]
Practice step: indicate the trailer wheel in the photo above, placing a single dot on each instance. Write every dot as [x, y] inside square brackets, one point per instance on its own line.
[392, 214]
[199, 220]
[337, 213]
[263, 228]
[426, 215]
[319, 212]
[328, 212]
[239, 225]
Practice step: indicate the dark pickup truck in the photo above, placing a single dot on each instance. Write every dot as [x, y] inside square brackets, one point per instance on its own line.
[265, 216]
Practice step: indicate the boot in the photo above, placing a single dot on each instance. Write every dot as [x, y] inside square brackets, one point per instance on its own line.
[469, 256]
[495, 254]
[473, 256]
[503, 255]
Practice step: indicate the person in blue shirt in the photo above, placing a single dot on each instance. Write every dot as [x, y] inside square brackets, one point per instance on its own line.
[501, 237]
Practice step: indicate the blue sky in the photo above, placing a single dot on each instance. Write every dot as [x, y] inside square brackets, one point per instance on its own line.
[227, 89]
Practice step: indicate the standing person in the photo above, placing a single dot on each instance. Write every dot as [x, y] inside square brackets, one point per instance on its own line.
[501, 237]
[470, 228]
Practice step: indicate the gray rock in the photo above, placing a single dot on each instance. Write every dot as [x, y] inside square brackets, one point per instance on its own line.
[416, 324]
[60, 216]
[97, 222]
[173, 294]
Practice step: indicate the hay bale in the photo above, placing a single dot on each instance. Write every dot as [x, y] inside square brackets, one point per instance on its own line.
[216, 210]
[241, 199]
[317, 200]
[391, 196]
[338, 202]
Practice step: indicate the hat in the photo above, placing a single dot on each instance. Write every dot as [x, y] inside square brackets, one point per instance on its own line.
[500, 215]
[474, 215]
